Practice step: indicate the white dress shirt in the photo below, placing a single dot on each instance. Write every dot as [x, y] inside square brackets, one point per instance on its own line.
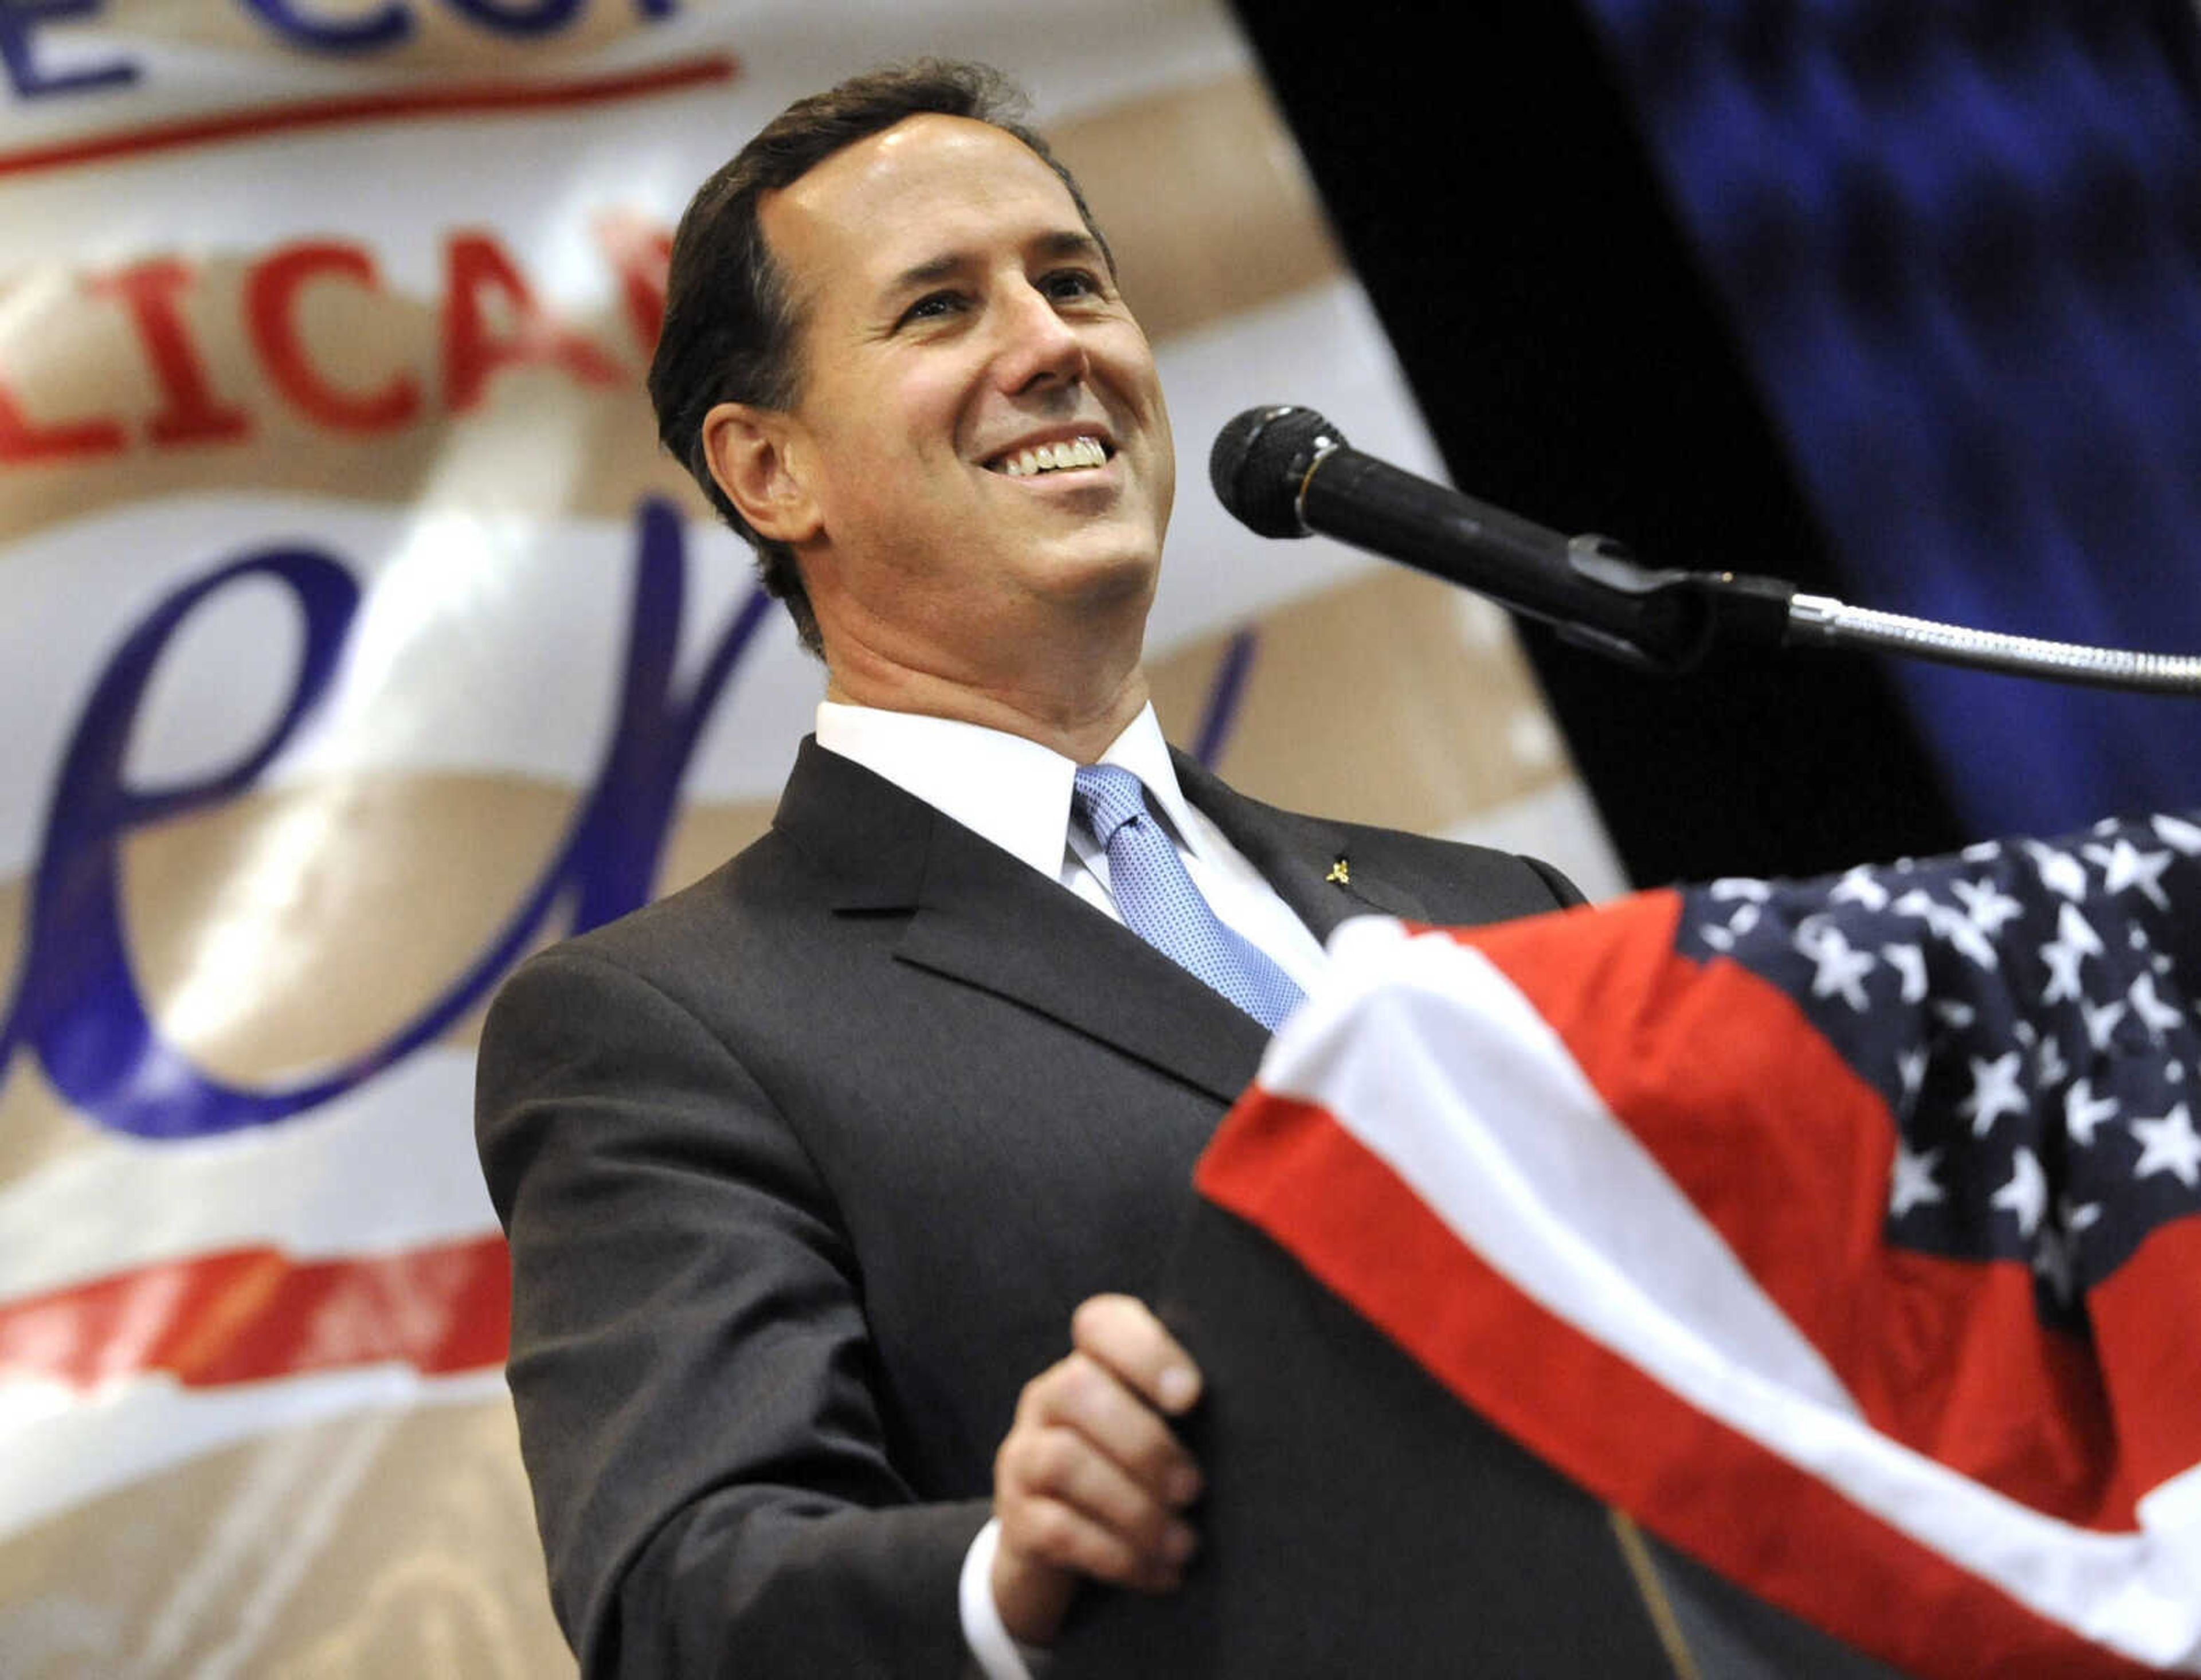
[1016, 793]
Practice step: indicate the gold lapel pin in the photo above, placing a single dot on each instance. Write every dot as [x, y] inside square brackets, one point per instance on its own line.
[1340, 872]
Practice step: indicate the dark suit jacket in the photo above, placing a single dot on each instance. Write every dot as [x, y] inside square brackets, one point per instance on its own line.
[804, 1169]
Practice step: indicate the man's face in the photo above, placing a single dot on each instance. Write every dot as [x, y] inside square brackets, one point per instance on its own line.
[962, 332]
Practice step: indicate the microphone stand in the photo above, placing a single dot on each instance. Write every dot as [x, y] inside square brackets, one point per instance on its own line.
[1673, 619]
[1817, 621]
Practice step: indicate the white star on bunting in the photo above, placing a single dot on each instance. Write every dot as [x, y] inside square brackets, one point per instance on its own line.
[1953, 1011]
[2073, 929]
[2083, 1112]
[2155, 1014]
[2063, 983]
[2060, 873]
[1860, 886]
[2053, 1070]
[2076, 1220]
[1986, 904]
[2124, 864]
[2055, 1255]
[1737, 886]
[2177, 832]
[1995, 1092]
[2101, 1021]
[1842, 970]
[2168, 1145]
[2051, 1259]
[1911, 1068]
[1913, 1184]
[1909, 962]
[2026, 1195]
[1953, 925]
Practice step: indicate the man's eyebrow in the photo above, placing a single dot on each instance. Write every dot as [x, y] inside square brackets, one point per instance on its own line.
[1053, 246]
[1071, 241]
[944, 266]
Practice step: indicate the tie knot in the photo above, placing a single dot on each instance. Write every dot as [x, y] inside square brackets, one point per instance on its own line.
[1106, 797]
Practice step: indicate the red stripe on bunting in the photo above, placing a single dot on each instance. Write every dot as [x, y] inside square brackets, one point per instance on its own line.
[1292, 1170]
[386, 105]
[1787, 1153]
[2140, 1310]
[249, 1314]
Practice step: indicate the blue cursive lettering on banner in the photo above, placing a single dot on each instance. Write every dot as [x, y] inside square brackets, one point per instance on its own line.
[301, 22]
[77, 1006]
[520, 17]
[31, 72]
[28, 75]
[385, 27]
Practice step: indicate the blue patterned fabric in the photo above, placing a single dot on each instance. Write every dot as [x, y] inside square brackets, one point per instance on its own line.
[1162, 906]
[1960, 241]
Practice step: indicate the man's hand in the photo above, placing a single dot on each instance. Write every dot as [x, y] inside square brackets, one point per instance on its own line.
[1090, 1480]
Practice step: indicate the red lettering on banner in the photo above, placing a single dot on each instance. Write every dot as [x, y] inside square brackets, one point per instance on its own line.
[476, 271]
[271, 294]
[23, 439]
[257, 1314]
[149, 290]
[640, 252]
[489, 319]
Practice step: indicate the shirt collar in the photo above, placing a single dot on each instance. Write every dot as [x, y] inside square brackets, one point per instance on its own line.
[1012, 791]
[1142, 750]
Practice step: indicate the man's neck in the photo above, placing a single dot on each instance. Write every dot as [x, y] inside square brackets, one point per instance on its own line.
[1080, 726]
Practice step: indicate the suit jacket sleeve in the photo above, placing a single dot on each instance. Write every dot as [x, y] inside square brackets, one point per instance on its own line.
[689, 1358]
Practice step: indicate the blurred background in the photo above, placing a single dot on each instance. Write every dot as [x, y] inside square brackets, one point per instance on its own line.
[355, 639]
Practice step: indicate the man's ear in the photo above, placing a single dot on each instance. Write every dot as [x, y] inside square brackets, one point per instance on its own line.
[756, 455]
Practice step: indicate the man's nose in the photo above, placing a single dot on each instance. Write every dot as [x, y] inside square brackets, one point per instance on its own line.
[1037, 346]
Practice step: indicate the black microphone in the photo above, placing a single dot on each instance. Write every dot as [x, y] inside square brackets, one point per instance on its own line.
[1287, 471]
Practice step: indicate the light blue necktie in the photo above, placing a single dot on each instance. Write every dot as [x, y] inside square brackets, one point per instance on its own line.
[1161, 905]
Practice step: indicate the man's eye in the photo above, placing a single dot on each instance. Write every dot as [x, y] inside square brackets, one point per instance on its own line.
[1072, 283]
[933, 305]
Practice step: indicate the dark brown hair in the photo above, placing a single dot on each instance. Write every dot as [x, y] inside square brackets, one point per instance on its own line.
[731, 333]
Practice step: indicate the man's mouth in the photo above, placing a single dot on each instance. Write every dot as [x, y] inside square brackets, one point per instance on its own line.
[1068, 456]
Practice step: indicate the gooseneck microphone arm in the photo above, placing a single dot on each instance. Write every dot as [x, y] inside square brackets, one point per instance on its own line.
[1818, 620]
[1287, 471]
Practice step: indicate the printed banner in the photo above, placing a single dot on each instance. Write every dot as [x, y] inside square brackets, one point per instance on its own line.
[357, 639]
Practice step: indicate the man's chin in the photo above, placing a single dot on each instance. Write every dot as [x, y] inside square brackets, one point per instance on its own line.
[1104, 576]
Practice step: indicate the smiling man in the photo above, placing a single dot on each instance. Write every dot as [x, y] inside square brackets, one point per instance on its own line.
[975, 472]
[833, 1182]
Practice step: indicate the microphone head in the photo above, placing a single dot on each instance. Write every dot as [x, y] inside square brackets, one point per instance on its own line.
[1261, 459]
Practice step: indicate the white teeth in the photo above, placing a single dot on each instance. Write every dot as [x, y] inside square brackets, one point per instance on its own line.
[1055, 457]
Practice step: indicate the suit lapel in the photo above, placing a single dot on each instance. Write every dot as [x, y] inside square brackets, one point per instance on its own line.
[980, 916]
[1299, 856]
[997, 923]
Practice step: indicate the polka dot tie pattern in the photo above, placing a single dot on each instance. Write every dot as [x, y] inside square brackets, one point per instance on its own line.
[1161, 905]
